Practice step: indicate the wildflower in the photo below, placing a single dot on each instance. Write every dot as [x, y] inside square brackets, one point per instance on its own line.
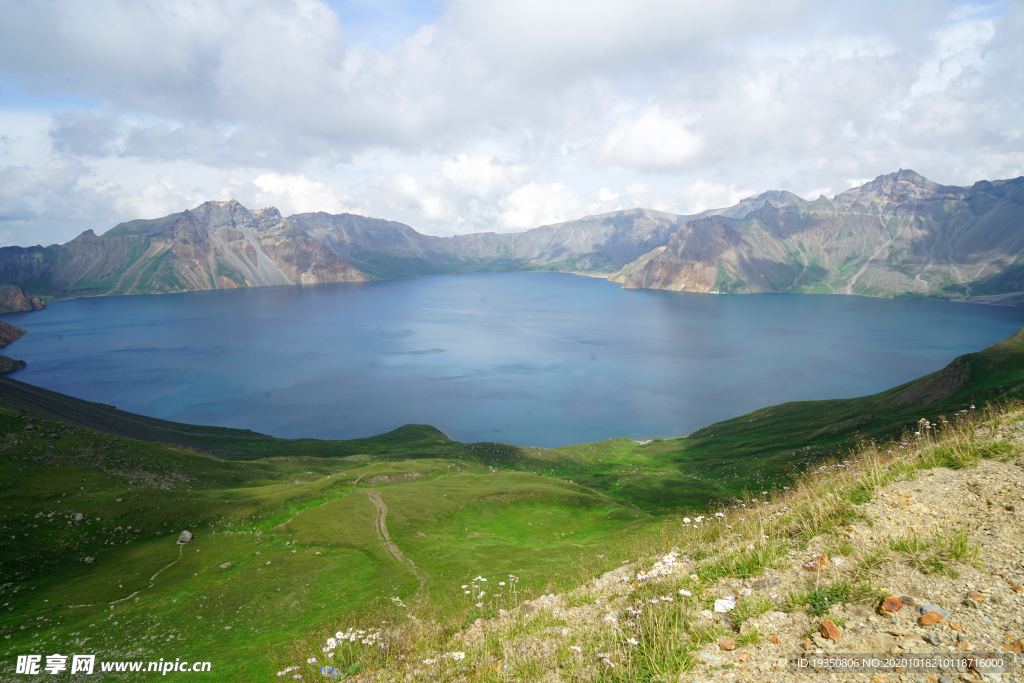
[465, 586]
[331, 642]
[311, 660]
[576, 649]
[479, 604]
[685, 593]
[430, 660]
[686, 520]
[667, 598]
[694, 577]
[633, 641]
[467, 592]
[719, 514]
[610, 619]
[501, 583]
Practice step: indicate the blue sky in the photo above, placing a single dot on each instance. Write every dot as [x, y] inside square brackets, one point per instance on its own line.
[465, 116]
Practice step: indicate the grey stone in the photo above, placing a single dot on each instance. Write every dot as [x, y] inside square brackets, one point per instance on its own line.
[934, 639]
[185, 537]
[709, 659]
[923, 609]
[945, 679]
[90, 560]
[226, 565]
[79, 516]
[765, 583]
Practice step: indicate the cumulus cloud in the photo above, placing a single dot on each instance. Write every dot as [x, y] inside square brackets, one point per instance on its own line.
[653, 141]
[496, 115]
[298, 194]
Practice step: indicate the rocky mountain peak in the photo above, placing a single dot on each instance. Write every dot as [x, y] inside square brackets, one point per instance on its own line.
[903, 185]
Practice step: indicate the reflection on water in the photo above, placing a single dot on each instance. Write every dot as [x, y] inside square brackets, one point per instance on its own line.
[527, 358]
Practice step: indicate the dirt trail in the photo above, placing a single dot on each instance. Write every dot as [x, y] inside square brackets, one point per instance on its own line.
[388, 545]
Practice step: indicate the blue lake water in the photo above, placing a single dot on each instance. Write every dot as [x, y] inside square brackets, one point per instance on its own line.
[541, 359]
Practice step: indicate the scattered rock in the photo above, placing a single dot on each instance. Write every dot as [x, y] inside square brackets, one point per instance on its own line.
[830, 630]
[79, 516]
[931, 618]
[765, 583]
[707, 614]
[727, 644]
[726, 604]
[420, 534]
[1017, 589]
[934, 639]
[924, 609]
[185, 537]
[1016, 647]
[817, 563]
[892, 604]
[226, 565]
[116, 500]
[774, 639]
[709, 659]
[907, 600]
[90, 560]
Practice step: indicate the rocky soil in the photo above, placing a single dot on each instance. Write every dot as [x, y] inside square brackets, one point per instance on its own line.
[974, 604]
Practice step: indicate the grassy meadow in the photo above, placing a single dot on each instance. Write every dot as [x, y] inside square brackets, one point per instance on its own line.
[290, 540]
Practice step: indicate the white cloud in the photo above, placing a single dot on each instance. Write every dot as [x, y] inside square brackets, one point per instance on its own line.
[298, 194]
[703, 195]
[493, 115]
[166, 196]
[653, 141]
[532, 205]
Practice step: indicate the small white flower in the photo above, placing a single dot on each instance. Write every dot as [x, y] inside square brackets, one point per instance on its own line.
[685, 593]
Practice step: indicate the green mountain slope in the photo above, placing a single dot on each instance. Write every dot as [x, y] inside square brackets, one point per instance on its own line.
[290, 533]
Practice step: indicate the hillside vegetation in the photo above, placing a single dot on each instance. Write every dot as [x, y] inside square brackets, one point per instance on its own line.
[318, 532]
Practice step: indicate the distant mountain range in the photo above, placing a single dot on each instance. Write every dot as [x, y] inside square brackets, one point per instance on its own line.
[899, 235]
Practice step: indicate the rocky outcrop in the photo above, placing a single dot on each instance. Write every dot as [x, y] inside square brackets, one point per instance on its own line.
[10, 333]
[900, 235]
[217, 245]
[10, 365]
[12, 299]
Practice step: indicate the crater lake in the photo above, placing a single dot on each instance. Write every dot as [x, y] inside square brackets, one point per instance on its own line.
[532, 359]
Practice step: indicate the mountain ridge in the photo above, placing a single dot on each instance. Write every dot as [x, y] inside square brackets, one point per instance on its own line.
[899, 235]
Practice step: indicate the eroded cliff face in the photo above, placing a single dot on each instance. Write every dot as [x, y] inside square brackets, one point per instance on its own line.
[899, 235]
[217, 245]
[12, 299]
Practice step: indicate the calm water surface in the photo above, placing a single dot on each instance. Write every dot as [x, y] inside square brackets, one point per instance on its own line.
[540, 359]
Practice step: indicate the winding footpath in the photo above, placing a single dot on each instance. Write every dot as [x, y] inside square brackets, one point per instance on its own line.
[389, 547]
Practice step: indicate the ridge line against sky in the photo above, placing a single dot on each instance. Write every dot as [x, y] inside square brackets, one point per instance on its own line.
[468, 116]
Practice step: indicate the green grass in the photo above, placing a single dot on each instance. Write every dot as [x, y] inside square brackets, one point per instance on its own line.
[552, 517]
[298, 532]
